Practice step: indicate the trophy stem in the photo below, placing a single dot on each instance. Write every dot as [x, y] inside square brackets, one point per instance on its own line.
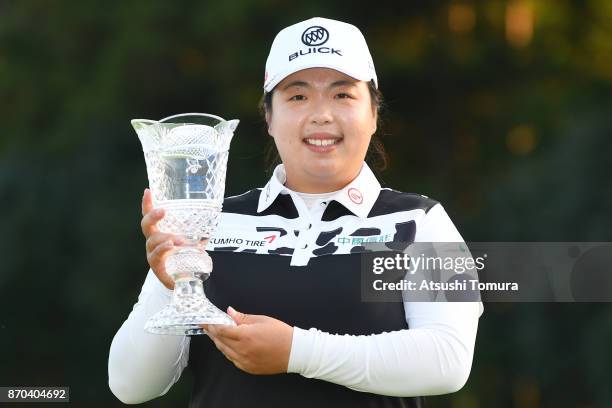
[187, 287]
[189, 308]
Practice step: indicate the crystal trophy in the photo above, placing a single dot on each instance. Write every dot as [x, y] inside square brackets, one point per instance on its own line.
[186, 157]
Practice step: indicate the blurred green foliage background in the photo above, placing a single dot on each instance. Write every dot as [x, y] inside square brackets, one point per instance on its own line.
[501, 110]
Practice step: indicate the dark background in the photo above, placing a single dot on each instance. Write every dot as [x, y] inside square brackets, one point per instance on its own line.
[498, 109]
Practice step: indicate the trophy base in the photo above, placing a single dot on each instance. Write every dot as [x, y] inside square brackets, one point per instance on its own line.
[184, 315]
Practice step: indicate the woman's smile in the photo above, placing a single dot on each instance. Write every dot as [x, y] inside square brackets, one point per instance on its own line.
[322, 142]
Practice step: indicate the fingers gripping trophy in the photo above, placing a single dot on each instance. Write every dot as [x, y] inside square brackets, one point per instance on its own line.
[186, 157]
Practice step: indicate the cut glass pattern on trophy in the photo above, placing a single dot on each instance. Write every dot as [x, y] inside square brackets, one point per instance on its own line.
[190, 188]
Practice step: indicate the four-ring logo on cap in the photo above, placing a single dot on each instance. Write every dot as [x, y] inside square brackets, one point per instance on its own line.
[315, 35]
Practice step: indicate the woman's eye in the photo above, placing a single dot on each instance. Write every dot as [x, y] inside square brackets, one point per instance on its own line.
[297, 98]
[343, 95]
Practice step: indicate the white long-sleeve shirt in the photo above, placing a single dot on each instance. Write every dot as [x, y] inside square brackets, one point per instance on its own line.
[433, 356]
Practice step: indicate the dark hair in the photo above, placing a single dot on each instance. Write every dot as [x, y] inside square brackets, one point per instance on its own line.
[376, 157]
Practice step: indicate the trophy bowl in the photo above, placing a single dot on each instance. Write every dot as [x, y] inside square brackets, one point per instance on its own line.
[186, 158]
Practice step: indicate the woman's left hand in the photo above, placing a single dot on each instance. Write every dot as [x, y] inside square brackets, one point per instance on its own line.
[257, 345]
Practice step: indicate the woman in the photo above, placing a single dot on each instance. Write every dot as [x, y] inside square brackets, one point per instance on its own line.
[286, 258]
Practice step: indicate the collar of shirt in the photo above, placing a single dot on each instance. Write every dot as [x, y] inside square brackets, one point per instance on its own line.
[358, 196]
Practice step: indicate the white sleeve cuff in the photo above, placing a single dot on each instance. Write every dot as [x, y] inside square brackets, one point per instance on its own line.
[302, 346]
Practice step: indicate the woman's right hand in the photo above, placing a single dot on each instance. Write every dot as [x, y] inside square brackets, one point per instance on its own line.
[159, 245]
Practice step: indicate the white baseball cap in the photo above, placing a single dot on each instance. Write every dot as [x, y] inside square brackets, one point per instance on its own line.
[322, 43]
